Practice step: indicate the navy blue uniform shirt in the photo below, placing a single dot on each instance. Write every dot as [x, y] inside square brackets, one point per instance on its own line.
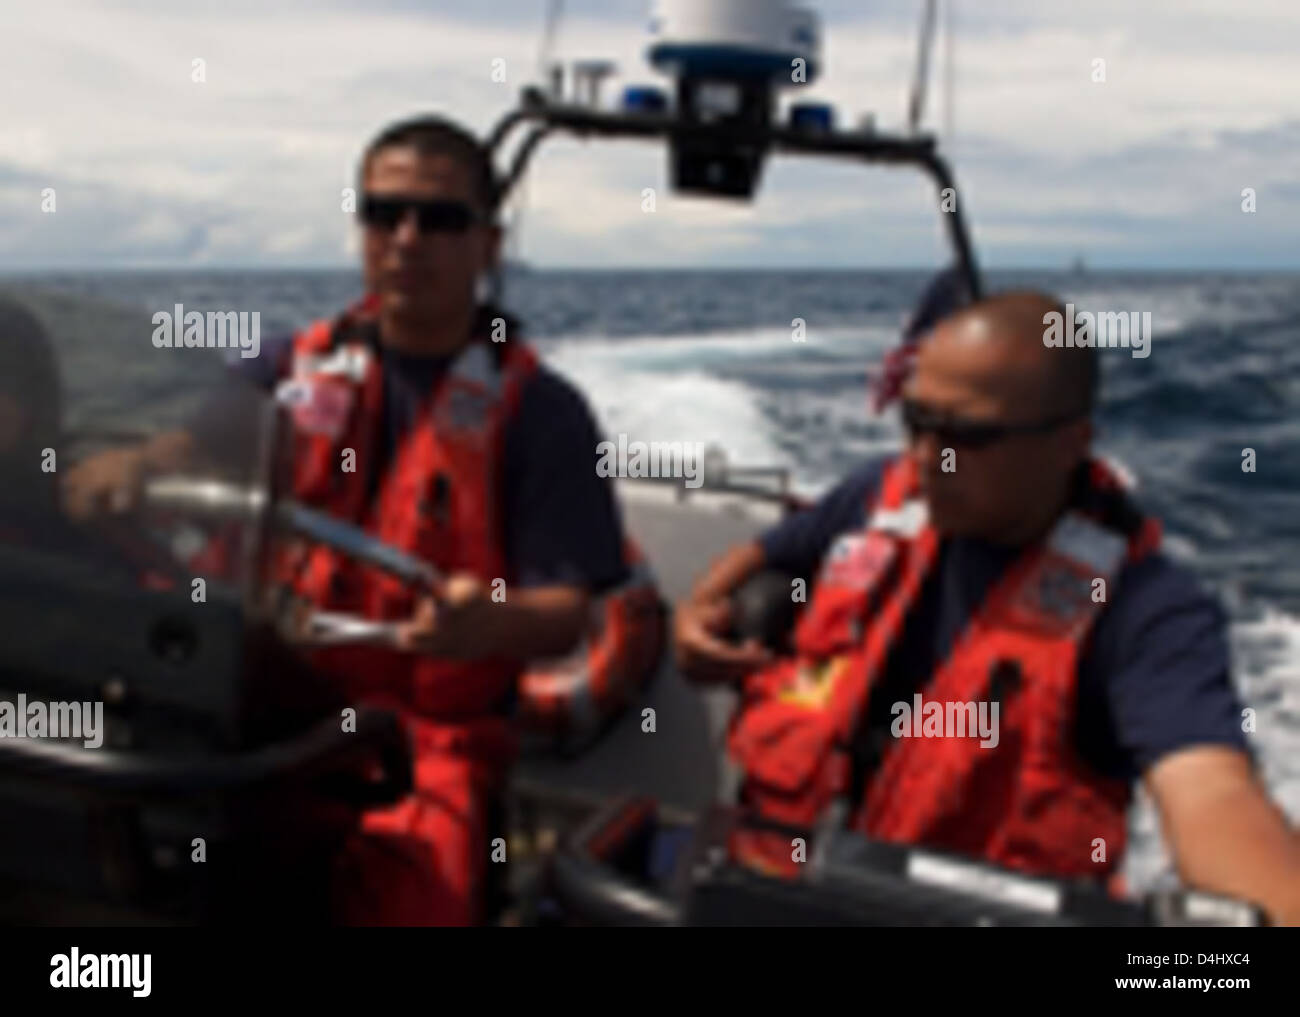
[1153, 678]
[561, 519]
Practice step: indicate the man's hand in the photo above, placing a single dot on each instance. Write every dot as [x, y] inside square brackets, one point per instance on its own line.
[108, 482]
[1224, 834]
[700, 646]
[457, 622]
[463, 621]
[702, 621]
[113, 481]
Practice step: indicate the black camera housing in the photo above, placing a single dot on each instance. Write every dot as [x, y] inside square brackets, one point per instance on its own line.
[713, 165]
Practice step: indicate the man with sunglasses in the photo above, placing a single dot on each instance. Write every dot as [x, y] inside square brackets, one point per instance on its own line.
[484, 466]
[422, 415]
[994, 562]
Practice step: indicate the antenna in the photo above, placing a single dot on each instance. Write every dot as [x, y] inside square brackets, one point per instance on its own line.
[949, 78]
[551, 28]
[924, 44]
[514, 240]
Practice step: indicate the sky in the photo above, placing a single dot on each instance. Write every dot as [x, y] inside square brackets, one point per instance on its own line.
[245, 169]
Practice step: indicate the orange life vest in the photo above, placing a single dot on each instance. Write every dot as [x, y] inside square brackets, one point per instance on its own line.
[439, 499]
[1030, 802]
[442, 500]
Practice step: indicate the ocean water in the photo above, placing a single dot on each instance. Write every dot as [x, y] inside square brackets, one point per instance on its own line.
[708, 356]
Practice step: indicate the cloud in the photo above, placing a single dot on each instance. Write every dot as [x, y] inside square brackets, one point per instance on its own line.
[246, 167]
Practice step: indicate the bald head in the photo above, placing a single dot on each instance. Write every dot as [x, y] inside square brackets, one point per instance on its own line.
[1007, 331]
[997, 420]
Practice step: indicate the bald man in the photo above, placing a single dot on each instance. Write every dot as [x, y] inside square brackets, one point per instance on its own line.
[994, 651]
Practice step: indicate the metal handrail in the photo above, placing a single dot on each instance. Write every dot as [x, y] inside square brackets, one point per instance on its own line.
[545, 116]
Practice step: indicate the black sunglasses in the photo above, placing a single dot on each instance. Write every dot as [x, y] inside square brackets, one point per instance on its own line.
[954, 432]
[436, 215]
